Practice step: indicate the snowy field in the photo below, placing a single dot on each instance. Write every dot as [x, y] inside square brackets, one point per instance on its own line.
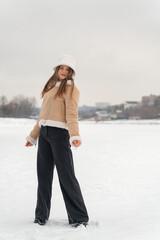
[117, 166]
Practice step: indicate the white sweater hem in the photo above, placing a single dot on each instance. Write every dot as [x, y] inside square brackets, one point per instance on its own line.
[53, 123]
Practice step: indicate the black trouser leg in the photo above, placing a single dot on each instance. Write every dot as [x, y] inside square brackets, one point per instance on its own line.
[45, 167]
[70, 187]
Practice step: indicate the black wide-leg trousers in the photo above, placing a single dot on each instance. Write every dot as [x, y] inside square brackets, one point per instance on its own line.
[54, 149]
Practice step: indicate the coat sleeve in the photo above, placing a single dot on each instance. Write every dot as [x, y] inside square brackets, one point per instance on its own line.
[33, 136]
[71, 106]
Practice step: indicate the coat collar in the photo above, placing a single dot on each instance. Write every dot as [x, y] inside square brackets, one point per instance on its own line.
[69, 82]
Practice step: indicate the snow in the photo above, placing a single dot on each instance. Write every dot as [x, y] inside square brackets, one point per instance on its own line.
[117, 166]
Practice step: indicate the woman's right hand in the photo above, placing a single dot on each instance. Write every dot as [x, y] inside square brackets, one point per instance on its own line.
[28, 144]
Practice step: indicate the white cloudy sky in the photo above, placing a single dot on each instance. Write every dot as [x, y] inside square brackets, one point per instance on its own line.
[116, 44]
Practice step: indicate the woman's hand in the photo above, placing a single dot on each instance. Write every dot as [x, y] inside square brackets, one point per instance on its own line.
[77, 143]
[28, 144]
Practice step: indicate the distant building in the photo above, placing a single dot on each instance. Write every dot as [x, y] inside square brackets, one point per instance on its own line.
[102, 104]
[102, 114]
[128, 104]
[149, 100]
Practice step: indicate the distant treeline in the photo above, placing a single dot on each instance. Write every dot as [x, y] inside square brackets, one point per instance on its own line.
[19, 107]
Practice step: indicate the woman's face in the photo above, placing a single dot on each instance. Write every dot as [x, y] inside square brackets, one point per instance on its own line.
[63, 72]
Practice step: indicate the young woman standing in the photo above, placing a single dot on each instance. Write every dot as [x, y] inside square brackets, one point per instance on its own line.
[56, 131]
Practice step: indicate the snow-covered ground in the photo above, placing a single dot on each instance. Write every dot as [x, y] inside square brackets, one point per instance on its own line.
[118, 168]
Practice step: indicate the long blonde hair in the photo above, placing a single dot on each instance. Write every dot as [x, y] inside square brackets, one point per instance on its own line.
[52, 82]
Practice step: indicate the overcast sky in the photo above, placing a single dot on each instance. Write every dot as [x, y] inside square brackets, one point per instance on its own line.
[116, 45]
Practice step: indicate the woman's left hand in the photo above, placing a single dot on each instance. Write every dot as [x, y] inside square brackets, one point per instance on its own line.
[77, 143]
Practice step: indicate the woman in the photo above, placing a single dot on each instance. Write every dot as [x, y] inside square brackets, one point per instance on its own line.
[57, 130]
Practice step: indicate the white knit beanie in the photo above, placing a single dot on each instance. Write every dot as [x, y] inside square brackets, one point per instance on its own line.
[66, 60]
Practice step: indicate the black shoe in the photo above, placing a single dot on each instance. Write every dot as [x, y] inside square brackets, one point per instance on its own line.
[40, 221]
[79, 224]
